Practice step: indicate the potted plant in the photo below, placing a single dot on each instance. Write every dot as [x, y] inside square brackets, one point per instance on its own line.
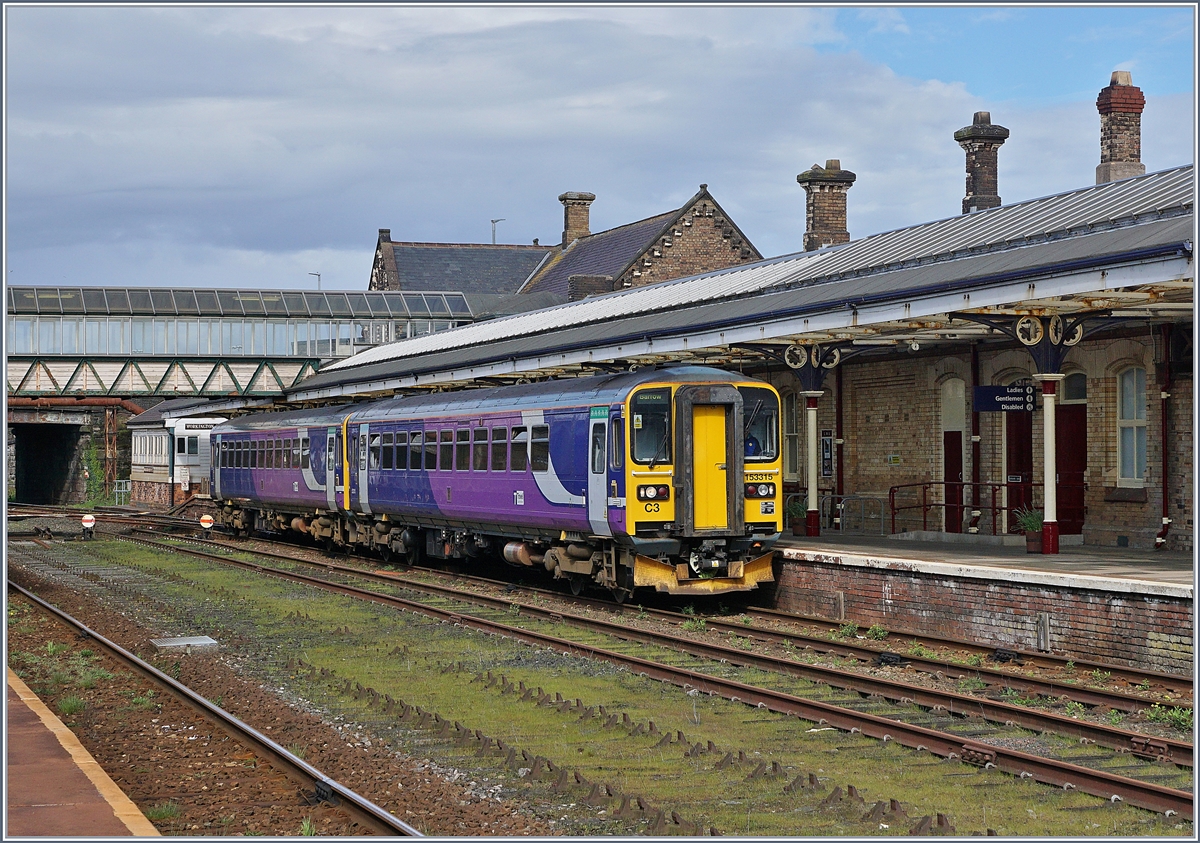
[797, 514]
[1029, 522]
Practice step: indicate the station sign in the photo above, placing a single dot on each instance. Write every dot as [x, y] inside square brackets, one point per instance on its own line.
[1017, 398]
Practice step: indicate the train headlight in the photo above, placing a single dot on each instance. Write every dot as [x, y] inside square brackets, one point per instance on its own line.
[653, 493]
[764, 490]
[760, 490]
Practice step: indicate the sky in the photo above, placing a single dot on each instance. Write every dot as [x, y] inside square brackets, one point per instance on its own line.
[249, 146]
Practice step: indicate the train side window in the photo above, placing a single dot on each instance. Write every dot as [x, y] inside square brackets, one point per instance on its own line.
[539, 456]
[447, 447]
[479, 455]
[287, 453]
[431, 450]
[598, 437]
[238, 454]
[261, 448]
[304, 452]
[520, 449]
[255, 454]
[616, 445]
[462, 449]
[277, 460]
[387, 457]
[416, 451]
[376, 459]
[499, 449]
[402, 450]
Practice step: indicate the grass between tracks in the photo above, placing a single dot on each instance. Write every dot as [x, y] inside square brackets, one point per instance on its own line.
[406, 656]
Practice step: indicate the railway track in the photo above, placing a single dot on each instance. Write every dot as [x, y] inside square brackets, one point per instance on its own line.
[324, 788]
[993, 678]
[945, 744]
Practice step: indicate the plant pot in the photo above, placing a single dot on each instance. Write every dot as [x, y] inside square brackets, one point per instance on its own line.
[1033, 542]
[799, 527]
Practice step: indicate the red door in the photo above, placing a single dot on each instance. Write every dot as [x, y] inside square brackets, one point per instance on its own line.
[952, 464]
[1070, 442]
[1018, 462]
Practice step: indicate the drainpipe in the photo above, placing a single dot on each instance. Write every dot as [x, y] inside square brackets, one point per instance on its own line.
[1160, 540]
[837, 409]
[976, 443]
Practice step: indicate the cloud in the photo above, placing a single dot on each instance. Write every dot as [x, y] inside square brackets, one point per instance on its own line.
[247, 144]
[884, 20]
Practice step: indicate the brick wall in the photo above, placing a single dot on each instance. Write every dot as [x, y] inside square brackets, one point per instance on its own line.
[1150, 630]
[702, 241]
[153, 495]
[1182, 466]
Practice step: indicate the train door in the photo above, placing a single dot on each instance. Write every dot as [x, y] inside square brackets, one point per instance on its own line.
[616, 471]
[356, 438]
[1071, 446]
[333, 438]
[216, 466]
[709, 423]
[597, 491]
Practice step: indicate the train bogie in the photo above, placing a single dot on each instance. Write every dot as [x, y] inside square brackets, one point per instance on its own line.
[657, 479]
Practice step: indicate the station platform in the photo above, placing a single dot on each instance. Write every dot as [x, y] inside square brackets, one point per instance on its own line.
[1154, 566]
[54, 786]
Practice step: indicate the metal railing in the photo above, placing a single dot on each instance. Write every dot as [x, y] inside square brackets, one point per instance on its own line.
[953, 494]
[121, 491]
[848, 514]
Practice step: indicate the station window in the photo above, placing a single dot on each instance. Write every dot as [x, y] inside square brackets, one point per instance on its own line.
[539, 452]
[1131, 426]
[447, 449]
[1074, 388]
[181, 445]
[520, 449]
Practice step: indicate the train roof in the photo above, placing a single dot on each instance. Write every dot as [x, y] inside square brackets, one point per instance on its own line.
[566, 392]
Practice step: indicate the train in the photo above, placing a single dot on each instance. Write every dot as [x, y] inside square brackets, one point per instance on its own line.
[667, 479]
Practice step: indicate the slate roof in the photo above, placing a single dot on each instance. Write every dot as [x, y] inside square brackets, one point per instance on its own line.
[466, 267]
[604, 253]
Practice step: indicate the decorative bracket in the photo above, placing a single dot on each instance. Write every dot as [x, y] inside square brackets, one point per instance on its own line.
[809, 362]
[1048, 339]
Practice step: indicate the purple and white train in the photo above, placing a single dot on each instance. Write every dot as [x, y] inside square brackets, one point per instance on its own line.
[661, 478]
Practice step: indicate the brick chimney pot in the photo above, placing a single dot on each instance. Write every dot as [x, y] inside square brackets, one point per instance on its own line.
[1120, 106]
[825, 204]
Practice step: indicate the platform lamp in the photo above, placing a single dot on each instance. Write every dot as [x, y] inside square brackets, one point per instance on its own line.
[318, 280]
[494, 229]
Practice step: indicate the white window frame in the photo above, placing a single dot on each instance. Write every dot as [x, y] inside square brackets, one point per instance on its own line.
[1131, 430]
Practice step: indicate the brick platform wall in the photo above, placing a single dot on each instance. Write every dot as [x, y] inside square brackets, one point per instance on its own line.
[153, 495]
[1129, 628]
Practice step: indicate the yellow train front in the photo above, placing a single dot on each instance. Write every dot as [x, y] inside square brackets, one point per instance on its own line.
[703, 483]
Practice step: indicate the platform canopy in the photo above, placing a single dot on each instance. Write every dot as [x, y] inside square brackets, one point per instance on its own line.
[1121, 250]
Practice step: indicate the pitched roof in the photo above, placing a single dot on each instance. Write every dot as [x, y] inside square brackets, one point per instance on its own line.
[605, 253]
[466, 267]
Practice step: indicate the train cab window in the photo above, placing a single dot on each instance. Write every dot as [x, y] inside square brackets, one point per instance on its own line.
[760, 415]
[304, 452]
[224, 455]
[651, 428]
[499, 449]
[539, 451]
[462, 449]
[520, 449]
[431, 450]
[388, 453]
[376, 459]
[598, 438]
[416, 451]
[479, 454]
[616, 445]
[447, 449]
[402, 450]
[287, 453]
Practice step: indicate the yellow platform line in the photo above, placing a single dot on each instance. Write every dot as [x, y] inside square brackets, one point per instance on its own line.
[122, 805]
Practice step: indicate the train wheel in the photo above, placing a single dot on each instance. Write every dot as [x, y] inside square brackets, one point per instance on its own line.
[414, 554]
[385, 553]
[578, 583]
[620, 594]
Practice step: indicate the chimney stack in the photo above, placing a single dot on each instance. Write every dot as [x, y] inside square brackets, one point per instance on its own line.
[576, 209]
[981, 141]
[825, 204]
[1120, 106]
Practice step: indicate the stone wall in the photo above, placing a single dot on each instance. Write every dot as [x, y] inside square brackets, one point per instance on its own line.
[1145, 626]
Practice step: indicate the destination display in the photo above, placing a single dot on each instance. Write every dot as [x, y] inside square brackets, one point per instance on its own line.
[1018, 398]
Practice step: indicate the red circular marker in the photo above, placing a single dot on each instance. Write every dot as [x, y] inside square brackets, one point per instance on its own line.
[89, 521]
[206, 521]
